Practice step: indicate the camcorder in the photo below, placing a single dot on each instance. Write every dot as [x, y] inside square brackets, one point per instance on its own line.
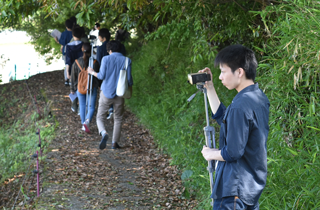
[198, 78]
[91, 37]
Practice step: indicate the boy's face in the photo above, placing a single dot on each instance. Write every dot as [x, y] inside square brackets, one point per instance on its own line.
[229, 79]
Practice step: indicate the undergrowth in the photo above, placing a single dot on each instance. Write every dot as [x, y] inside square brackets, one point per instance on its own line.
[19, 124]
[289, 75]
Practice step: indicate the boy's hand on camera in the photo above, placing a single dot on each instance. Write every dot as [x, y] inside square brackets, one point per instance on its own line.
[208, 84]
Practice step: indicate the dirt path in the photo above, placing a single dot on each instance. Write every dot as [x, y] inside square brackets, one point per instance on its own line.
[77, 175]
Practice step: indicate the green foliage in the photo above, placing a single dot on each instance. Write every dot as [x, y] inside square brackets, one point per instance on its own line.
[13, 12]
[200, 22]
[18, 140]
[289, 74]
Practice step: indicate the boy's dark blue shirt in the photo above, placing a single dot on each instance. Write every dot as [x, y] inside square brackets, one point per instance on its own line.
[243, 144]
[73, 51]
[65, 38]
[102, 51]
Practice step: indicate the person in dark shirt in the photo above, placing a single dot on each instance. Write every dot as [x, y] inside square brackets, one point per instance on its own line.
[241, 173]
[104, 37]
[65, 38]
[73, 52]
[122, 36]
[74, 49]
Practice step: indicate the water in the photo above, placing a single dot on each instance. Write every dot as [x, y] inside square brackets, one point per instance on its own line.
[23, 61]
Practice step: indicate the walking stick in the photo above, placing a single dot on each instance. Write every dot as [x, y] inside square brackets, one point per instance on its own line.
[209, 133]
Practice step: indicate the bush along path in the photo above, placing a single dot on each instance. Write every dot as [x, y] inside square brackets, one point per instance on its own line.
[77, 175]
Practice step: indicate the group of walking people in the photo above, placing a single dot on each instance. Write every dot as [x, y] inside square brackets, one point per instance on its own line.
[86, 81]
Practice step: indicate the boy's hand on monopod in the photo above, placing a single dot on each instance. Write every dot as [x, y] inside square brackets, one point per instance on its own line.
[207, 153]
[90, 70]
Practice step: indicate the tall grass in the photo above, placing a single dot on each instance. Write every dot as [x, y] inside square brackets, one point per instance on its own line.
[290, 73]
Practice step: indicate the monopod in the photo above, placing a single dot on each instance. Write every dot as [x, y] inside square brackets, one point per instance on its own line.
[90, 78]
[208, 132]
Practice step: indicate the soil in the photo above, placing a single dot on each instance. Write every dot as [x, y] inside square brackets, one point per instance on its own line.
[76, 174]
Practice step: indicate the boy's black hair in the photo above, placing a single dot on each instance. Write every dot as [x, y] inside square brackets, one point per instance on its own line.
[74, 20]
[77, 32]
[104, 33]
[83, 32]
[238, 56]
[69, 24]
[97, 25]
[86, 54]
[114, 46]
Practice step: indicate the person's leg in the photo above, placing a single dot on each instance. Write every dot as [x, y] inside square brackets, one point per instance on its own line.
[66, 80]
[104, 104]
[110, 115]
[229, 203]
[102, 112]
[118, 115]
[74, 106]
[82, 104]
[91, 109]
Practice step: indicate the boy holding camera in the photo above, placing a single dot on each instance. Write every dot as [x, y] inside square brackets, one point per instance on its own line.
[241, 172]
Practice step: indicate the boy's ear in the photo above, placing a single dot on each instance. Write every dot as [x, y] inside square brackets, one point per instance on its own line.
[242, 73]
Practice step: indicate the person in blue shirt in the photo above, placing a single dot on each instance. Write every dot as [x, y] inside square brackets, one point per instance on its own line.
[109, 73]
[241, 171]
[65, 38]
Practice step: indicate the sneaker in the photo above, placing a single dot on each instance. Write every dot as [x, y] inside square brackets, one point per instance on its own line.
[86, 126]
[67, 83]
[83, 128]
[73, 109]
[115, 146]
[110, 116]
[103, 142]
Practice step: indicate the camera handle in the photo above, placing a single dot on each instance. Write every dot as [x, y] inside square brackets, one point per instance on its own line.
[209, 133]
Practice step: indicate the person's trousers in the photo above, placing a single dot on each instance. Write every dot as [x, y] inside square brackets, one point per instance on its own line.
[74, 105]
[232, 203]
[91, 107]
[118, 105]
[65, 68]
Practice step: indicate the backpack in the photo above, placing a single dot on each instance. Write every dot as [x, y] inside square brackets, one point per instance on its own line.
[82, 79]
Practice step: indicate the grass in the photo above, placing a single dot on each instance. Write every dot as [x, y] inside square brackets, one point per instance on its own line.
[160, 92]
[19, 124]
